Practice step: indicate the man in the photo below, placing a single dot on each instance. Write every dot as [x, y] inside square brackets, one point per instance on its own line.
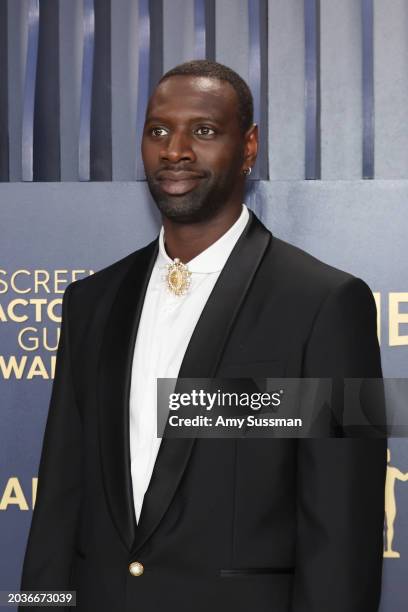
[135, 523]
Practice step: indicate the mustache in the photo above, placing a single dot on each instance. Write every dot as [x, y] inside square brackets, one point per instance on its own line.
[179, 173]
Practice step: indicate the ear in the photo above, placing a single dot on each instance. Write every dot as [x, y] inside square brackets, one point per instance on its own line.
[250, 146]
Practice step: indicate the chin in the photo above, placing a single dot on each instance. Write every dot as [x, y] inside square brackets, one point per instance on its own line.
[184, 209]
[182, 215]
[198, 205]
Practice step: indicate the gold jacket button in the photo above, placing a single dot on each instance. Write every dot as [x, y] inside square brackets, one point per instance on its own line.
[136, 568]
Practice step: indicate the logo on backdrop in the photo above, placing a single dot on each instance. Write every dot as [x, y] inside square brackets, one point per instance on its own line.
[13, 495]
[30, 303]
[393, 474]
[392, 308]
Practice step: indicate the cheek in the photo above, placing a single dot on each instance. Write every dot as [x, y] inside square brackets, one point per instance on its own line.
[221, 159]
[144, 151]
[149, 155]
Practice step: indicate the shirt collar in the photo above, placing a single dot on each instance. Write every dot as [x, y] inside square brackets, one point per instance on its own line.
[215, 256]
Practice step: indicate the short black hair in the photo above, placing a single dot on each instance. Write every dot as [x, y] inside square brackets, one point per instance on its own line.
[223, 73]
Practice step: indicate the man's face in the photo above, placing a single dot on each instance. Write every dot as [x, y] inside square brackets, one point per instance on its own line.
[193, 147]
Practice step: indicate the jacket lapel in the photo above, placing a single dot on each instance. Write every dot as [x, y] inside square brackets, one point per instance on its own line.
[114, 378]
[201, 360]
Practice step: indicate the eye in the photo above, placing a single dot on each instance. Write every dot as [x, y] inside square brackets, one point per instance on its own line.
[204, 130]
[158, 131]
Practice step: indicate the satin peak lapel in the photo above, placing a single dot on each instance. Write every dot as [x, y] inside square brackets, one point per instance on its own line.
[201, 360]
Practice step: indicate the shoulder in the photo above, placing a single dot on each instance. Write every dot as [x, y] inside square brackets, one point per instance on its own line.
[296, 277]
[106, 281]
[299, 272]
[332, 311]
[303, 269]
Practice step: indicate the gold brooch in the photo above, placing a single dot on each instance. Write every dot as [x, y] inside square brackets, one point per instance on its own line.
[178, 277]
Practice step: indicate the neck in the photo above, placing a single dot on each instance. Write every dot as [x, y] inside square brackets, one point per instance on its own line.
[186, 241]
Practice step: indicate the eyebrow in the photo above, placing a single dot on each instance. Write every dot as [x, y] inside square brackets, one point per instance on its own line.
[153, 119]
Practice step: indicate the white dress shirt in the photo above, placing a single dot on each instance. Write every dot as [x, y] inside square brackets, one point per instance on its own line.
[166, 325]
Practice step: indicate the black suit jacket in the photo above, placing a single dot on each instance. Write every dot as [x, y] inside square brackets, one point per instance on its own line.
[227, 524]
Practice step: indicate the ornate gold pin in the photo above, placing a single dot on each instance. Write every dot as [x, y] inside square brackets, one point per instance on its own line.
[178, 277]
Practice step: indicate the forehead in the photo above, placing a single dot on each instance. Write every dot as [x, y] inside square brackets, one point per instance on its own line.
[186, 96]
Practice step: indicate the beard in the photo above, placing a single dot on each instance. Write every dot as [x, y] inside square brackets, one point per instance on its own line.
[201, 203]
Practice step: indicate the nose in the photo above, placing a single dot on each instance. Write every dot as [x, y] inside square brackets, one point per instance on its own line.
[177, 148]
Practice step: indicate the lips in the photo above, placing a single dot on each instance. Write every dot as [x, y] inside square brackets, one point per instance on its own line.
[178, 183]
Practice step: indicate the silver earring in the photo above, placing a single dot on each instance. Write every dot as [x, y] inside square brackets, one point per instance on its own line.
[247, 171]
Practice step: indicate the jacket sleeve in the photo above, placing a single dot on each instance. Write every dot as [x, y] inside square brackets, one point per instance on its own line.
[341, 480]
[50, 545]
